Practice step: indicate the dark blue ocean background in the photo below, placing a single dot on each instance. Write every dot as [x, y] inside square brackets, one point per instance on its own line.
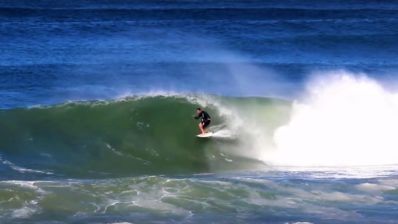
[55, 51]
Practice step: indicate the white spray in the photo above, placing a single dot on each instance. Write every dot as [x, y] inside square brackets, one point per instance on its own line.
[345, 120]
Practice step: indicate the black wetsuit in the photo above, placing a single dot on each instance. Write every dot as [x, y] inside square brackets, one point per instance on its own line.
[204, 118]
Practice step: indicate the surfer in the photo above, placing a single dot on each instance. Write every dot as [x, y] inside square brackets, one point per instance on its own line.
[204, 119]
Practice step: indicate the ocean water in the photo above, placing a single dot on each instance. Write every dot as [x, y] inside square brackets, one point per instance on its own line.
[97, 98]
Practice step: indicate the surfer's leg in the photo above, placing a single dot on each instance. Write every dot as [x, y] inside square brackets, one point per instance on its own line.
[205, 125]
[201, 128]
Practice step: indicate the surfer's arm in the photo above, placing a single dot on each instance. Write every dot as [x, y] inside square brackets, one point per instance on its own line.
[198, 116]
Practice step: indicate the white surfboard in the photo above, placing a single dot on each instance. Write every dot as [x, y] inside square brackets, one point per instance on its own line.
[205, 135]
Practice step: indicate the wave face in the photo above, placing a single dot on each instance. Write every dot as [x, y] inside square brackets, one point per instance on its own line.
[149, 135]
[342, 116]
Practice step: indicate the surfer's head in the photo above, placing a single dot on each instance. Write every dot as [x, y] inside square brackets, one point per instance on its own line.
[198, 110]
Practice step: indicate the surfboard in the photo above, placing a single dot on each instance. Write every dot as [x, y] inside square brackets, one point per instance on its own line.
[205, 135]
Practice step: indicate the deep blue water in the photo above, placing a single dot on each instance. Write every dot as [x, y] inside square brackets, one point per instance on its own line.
[52, 52]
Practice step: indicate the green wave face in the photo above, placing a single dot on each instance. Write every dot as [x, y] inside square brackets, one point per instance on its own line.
[149, 135]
